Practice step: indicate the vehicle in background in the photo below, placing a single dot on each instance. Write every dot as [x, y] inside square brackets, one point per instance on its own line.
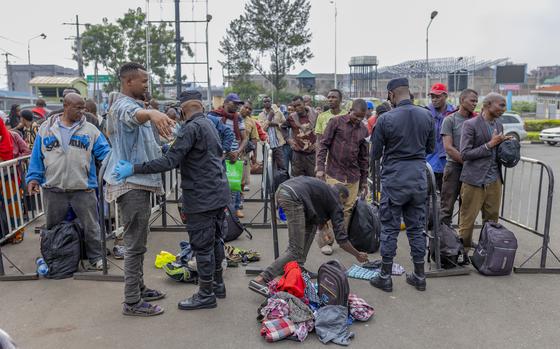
[514, 126]
[550, 135]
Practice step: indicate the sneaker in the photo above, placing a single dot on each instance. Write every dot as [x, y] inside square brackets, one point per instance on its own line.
[239, 214]
[152, 295]
[118, 252]
[326, 250]
[141, 308]
[259, 288]
[96, 266]
[246, 188]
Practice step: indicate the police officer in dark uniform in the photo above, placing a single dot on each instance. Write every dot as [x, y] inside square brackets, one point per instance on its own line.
[198, 152]
[403, 136]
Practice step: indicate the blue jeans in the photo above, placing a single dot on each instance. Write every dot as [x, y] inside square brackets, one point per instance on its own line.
[287, 156]
[236, 199]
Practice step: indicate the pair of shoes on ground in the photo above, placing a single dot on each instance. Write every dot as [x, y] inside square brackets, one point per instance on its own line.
[142, 308]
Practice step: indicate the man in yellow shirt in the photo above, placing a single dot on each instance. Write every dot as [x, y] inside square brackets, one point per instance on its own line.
[335, 99]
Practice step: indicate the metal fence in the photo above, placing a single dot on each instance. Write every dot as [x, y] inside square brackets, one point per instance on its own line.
[18, 209]
[527, 200]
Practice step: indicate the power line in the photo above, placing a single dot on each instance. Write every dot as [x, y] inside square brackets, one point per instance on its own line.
[78, 46]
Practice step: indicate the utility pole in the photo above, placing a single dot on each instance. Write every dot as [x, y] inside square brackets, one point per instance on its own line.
[78, 46]
[177, 48]
[6, 54]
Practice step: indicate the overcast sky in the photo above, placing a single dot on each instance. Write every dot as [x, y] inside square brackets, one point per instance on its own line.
[394, 31]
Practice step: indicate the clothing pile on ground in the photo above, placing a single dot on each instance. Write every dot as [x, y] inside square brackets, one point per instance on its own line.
[293, 310]
[368, 270]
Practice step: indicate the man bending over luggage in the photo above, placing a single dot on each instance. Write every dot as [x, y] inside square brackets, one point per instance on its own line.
[307, 202]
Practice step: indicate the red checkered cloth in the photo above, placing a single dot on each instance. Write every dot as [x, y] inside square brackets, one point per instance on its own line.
[359, 309]
[277, 329]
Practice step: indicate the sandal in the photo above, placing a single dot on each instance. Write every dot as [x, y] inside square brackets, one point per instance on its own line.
[142, 309]
[151, 295]
[259, 288]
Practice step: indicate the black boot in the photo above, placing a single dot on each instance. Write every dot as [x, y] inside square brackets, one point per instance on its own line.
[218, 284]
[383, 280]
[203, 299]
[417, 278]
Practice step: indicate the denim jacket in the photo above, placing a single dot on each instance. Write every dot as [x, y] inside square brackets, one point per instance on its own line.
[130, 141]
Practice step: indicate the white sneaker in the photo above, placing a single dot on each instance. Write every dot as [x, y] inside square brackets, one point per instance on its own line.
[326, 250]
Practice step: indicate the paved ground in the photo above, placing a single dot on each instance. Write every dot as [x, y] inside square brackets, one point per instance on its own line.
[517, 311]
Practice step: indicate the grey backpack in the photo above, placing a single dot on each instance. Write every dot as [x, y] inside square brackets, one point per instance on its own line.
[496, 249]
[332, 282]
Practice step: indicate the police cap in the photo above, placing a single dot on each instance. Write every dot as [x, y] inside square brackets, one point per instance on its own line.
[398, 82]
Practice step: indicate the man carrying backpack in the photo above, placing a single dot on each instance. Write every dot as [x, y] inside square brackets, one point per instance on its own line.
[307, 203]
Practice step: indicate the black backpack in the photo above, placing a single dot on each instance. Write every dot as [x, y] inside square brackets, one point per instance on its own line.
[364, 229]
[495, 253]
[509, 152]
[333, 287]
[232, 227]
[450, 247]
[61, 248]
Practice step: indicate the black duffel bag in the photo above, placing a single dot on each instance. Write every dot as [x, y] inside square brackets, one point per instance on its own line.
[364, 229]
[61, 248]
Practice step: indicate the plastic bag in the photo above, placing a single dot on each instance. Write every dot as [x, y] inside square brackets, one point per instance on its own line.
[234, 173]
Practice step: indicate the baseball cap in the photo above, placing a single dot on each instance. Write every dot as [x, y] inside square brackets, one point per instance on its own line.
[438, 89]
[233, 97]
[370, 105]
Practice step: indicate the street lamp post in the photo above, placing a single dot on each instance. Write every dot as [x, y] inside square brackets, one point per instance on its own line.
[42, 35]
[335, 15]
[432, 16]
[455, 77]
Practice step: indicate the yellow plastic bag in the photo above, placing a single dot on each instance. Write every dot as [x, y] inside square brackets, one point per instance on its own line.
[163, 258]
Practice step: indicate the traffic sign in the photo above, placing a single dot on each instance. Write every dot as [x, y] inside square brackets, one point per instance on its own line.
[100, 78]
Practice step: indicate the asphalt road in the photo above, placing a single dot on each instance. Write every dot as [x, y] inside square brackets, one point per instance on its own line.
[516, 311]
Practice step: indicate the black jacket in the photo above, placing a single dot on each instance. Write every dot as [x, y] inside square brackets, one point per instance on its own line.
[198, 151]
[320, 202]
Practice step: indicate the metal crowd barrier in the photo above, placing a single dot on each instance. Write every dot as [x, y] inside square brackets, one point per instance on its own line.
[17, 211]
[525, 186]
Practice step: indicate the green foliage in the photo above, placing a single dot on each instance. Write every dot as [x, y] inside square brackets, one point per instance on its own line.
[524, 107]
[284, 97]
[539, 125]
[270, 37]
[246, 90]
[533, 136]
[112, 44]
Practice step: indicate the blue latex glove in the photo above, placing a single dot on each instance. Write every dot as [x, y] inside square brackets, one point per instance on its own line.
[123, 170]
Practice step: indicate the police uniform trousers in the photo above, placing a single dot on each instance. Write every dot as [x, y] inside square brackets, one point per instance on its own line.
[206, 239]
[411, 206]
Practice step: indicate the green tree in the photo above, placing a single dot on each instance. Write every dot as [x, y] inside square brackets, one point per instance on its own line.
[103, 44]
[111, 44]
[270, 37]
